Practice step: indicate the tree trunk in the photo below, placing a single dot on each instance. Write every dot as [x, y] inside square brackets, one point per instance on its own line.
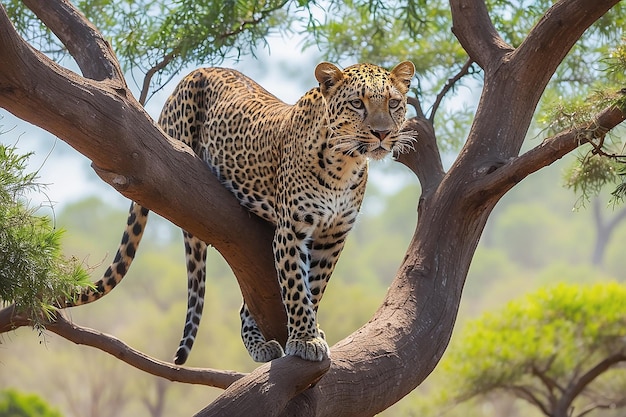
[604, 231]
[398, 348]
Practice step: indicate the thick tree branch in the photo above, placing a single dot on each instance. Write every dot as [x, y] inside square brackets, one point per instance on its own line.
[268, 390]
[507, 90]
[473, 28]
[92, 52]
[10, 320]
[424, 160]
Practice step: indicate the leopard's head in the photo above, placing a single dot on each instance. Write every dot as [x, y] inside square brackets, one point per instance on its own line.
[366, 107]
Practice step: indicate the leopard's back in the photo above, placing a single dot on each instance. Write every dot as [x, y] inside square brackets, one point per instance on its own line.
[233, 124]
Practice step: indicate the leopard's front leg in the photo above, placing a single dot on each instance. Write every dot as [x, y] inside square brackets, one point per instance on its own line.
[292, 257]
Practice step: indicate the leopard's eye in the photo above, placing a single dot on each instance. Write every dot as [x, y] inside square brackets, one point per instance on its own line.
[357, 104]
[394, 103]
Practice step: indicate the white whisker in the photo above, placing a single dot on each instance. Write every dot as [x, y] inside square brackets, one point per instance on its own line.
[405, 142]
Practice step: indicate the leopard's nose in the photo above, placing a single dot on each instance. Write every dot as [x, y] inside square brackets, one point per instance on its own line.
[380, 134]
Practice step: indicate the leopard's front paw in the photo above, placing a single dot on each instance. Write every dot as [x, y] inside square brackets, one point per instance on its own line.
[267, 351]
[310, 349]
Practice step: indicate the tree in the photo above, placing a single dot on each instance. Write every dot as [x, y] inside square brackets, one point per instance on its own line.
[32, 269]
[403, 342]
[560, 349]
[17, 404]
[588, 177]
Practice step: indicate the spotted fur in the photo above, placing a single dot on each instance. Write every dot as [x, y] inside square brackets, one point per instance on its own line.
[302, 167]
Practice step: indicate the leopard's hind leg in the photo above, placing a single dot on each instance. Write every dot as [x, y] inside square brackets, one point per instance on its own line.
[259, 349]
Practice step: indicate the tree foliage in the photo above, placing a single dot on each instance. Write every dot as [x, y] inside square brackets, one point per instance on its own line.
[555, 348]
[17, 404]
[33, 271]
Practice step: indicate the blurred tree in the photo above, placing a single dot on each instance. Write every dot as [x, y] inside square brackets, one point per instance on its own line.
[605, 228]
[511, 49]
[588, 176]
[561, 349]
[16, 404]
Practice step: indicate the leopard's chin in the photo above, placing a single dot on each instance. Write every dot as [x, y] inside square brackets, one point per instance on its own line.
[378, 153]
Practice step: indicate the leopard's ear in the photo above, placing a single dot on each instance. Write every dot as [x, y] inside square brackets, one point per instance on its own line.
[403, 73]
[328, 75]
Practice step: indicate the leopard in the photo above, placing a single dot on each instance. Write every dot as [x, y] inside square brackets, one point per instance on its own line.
[302, 167]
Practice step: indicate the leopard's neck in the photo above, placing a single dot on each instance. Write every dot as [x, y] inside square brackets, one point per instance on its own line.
[316, 152]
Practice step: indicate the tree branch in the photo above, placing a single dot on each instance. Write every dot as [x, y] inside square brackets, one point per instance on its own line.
[11, 320]
[506, 91]
[549, 383]
[589, 376]
[594, 406]
[268, 390]
[424, 160]
[525, 393]
[550, 150]
[448, 86]
[483, 45]
[145, 88]
[414, 101]
[615, 220]
[92, 52]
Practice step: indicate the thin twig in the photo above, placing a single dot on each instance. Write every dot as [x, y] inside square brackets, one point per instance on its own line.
[150, 73]
[448, 86]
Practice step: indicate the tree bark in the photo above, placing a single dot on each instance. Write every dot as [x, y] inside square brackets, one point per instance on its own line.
[398, 348]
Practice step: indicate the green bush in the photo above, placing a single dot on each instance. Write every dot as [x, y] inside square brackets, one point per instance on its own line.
[17, 404]
[33, 272]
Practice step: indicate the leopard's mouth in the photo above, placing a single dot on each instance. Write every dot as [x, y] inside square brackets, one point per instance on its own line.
[378, 152]
[369, 147]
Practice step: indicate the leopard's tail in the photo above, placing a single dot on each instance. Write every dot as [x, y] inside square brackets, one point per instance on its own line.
[195, 254]
[135, 226]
